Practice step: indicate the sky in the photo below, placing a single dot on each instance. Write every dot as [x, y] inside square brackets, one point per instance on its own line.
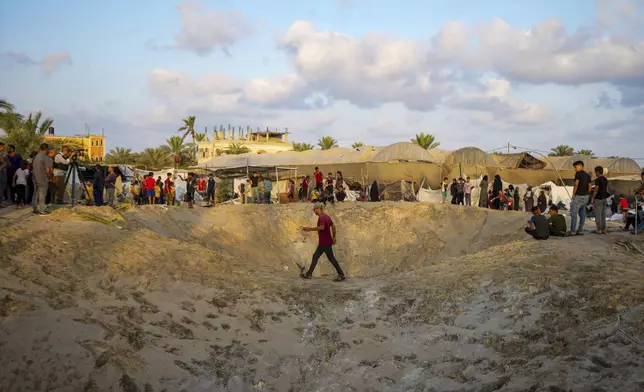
[481, 73]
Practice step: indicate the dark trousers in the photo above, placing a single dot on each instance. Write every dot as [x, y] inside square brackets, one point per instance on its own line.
[319, 186]
[534, 234]
[20, 194]
[11, 190]
[460, 198]
[30, 191]
[51, 193]
[98, 196]
[556, 233]
[328, 251]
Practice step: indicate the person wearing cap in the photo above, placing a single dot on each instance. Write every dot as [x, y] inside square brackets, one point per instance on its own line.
[556, 222]
[580, 198]
[327, 238]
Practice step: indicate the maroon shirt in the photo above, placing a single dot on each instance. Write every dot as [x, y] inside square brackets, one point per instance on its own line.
[326, 239]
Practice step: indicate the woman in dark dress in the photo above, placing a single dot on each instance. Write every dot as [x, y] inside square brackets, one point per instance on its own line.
[497, 187]
[483, 194]
[542, 202]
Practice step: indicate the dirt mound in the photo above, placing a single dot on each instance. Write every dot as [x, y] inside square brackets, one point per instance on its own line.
[440, 298]
[373, 239]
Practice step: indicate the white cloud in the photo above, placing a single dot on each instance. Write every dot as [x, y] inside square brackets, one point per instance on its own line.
[49, 63]
[204, 30]
[368, 72]
[547, 53]
[54, 60]
[494, 103]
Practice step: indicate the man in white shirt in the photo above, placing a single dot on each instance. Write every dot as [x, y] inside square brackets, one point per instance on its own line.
[61, 164]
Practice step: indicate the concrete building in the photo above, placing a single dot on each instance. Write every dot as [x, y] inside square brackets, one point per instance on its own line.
[93, 145]
[257, 142]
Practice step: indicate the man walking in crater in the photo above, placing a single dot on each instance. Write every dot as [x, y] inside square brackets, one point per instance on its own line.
[327, 238]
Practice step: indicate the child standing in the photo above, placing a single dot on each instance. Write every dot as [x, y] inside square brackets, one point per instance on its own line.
[291, 191]
[89, 193]
[20, 183]
[157, 192]
[171, 193]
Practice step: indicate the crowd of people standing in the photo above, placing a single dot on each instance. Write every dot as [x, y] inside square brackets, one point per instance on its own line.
[40, 180]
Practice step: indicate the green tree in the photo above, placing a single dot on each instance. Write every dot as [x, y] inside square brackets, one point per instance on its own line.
[587, 152]
[236, 149]
[8, 118]
[26, 133]
[357, 145]
[176, 145]
[425, 140]
[120, 155]
[327, 143]
[562, 150]
[155, 158]
[302, 146]
[201, 137]
[188, 129]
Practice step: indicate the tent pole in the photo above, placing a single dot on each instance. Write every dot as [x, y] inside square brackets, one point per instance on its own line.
[636, 214]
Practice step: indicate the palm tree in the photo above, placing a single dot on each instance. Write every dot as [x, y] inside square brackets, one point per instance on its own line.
[302, 146]
[357, 145]
[586, 152]
[188, 129]
[6, 106]
[155, 158]
[562, 150]
[176, 145]
[201, 137]
[425, 140]
[236, 149]
[26, 134]
[8, 118]
[327, 143]
[120, 155]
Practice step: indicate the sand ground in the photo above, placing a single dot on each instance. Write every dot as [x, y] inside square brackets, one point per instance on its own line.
[440, 298]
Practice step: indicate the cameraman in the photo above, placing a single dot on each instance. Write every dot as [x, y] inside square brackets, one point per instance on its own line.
[61, 164]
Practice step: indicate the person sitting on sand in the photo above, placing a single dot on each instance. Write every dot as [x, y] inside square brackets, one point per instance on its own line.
[315, 196]
[557, 222]
[538, 225]
[328, 192]
[340, 195]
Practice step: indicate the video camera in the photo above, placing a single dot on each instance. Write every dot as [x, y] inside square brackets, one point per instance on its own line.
[78, 152]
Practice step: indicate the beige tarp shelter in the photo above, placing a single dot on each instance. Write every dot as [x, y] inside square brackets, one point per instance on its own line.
[408, 162]
[617, 166]
[399, 161]
[522, 160]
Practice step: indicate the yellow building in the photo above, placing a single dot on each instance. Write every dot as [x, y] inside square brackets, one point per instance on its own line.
[257, 142]
[93, 145]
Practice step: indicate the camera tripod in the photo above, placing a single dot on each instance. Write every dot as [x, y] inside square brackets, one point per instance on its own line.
[74, 169]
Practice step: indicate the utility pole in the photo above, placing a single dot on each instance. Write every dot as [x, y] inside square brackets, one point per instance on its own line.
[508, 147]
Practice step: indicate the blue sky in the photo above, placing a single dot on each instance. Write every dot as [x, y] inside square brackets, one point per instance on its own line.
[115, 65]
